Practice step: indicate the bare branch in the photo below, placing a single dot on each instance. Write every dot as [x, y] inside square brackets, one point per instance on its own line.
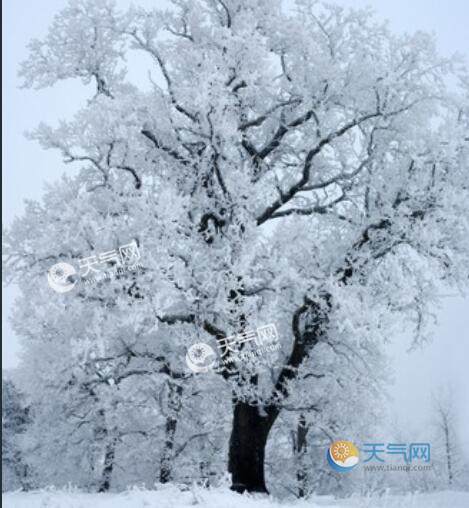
[138, 181]
[170, 151]
[301, 184]
[309, 211]
[227, 12]
[256, 122]
[282, 130]
[150, 49]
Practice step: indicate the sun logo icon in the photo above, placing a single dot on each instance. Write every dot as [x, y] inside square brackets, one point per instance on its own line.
[61, 277]
[342, 456]
[200, 357]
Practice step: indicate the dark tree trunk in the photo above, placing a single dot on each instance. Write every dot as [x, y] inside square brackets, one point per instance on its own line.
[102, 434]
[448, 453]
[22, 471]
[250, 427]
[247, 447]
[108, 467]
[300, 449]
[174, 406]
[167, 457]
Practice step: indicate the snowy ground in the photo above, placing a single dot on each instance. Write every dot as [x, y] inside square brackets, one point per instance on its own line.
[171, 497]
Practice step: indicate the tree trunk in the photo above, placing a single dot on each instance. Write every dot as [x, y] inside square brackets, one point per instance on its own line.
[251, 428]
[247, 447]
[167, 458]
[300, 449]
[448, 453]
[108, 467]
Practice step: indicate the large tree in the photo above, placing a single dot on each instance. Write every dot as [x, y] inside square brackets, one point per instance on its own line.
[253, 110]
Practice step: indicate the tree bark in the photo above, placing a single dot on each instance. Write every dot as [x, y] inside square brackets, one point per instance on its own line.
[247, 446]
[174, 406]
[251, 425]
[448, 453]
[108, 467]
[299, 449]
[166, 465]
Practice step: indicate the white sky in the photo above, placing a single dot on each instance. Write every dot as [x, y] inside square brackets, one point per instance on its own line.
[27, 167]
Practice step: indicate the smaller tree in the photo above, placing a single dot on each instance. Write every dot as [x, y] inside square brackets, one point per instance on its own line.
[451, 464]
[15, 419]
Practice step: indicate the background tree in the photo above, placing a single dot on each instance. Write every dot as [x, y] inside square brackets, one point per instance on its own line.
[450, 461]
[15, 419]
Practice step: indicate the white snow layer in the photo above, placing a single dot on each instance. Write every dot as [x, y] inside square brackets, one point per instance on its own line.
[172, 497]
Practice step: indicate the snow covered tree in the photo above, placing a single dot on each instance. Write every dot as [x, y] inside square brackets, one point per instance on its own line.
[251, 111]
[96, 375]
[452, 469]
[15, 419]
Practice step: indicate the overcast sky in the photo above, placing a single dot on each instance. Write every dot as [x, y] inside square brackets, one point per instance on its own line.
[27, 167]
